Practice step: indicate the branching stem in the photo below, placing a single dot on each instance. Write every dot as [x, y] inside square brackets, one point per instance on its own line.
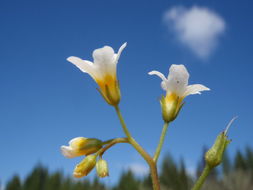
[143, 153]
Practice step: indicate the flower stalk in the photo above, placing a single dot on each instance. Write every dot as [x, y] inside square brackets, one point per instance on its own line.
[161, 141]
[110, 143]
[142, 152]
[202, 178]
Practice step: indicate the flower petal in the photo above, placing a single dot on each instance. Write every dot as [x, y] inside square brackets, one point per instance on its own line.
[104, 61]
[117, 55]
[159, 74]
[103, 55]
[68, 152]
[177, 79]
[195, 89]
[73, 142]
[164, 80]
[84, 65]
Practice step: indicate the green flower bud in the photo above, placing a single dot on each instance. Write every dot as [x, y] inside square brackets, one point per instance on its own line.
[213, 156]
[102, 168]
[84, 167]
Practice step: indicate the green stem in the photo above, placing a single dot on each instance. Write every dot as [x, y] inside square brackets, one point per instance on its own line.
[107, 141]
[110, 144]
[161, 141]
[143, 153]
[202, 178]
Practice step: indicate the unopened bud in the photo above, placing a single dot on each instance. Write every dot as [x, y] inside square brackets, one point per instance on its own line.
[214, 155]
[102, 168]
[84, 167]
[81, 146]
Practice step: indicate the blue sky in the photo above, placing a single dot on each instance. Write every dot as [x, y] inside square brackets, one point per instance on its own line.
[45, 101]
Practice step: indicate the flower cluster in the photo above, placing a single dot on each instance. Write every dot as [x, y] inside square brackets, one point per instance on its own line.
[104, 71]
[81, 146]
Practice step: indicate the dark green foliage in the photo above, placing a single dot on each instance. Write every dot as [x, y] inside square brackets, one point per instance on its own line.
[14, 183]
[54, 182]
[147, 183]
[80, 185]
[172, 176]
[128, 181]
[249, 159]
[235, 174]
[226, 164]
[240, 162]
[37, 179]
[66, 184]
[185, 180]
[96, 185]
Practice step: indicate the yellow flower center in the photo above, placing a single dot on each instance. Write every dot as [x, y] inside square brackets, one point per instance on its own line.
[171, 98]
[108, 81]
[109, 88]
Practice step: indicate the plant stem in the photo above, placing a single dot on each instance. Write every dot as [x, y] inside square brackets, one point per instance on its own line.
[202, 178]
[110, 143]
[161, 141]
[107, 141]
[143, 153]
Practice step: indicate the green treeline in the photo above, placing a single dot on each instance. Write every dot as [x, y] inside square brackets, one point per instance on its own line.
[234, 174]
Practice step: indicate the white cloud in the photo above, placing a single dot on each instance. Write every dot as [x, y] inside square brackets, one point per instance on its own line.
[197, 28]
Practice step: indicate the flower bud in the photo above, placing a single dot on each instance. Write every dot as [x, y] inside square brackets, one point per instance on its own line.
[81, 146]
[213, 156]
[84, 167]
[102, 168]
[171, 105]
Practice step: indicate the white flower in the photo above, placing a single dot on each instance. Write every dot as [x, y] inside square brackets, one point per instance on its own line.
[177, 88]
[103, 71]
[177, 82]
[81, 146]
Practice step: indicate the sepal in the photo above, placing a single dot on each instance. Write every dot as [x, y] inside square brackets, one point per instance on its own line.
[170, 109]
